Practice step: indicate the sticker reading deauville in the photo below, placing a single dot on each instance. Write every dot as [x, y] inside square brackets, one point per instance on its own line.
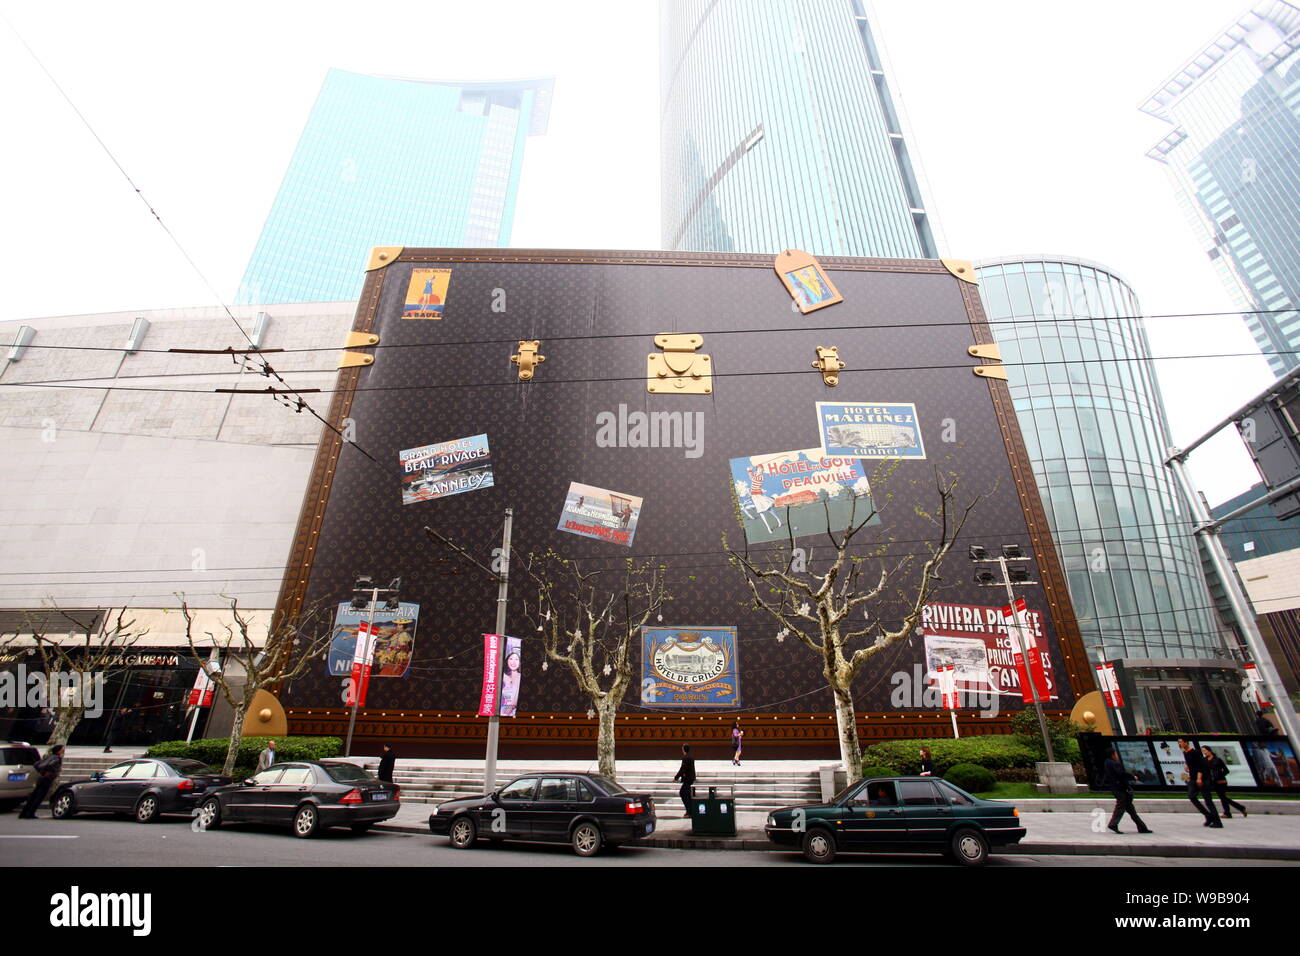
[448, 468]
[870, 430]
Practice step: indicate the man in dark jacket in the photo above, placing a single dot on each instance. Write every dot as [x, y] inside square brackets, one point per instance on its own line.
[386, 761]
[1199, 784]
[1263, 726]
[47, 771]
[1119, 782]
[687, 776]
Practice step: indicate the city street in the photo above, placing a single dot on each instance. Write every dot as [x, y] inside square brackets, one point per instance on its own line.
[104, 841]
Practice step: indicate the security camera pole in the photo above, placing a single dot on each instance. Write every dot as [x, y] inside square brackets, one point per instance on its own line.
[373, 600]
[1011, 552]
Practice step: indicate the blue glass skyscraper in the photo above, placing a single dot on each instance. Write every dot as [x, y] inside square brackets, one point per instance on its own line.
[1234, 157]
[779, 131]
[390, 161]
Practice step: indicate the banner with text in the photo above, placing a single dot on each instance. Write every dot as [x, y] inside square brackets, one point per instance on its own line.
[975, 641]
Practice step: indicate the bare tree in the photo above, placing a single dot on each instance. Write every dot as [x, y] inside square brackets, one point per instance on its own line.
[589, 620]
[75, 662]
[815, 605]
[291, 646]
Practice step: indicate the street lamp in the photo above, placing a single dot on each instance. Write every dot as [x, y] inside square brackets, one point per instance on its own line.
[985, 577]
[366, 595]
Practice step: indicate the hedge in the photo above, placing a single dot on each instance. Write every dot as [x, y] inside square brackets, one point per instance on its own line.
[212, 750]
[993, 752]
[970, 777]
[869, 772]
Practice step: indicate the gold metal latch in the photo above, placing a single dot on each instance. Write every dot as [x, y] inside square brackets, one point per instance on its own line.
[527, 358]
[828, 362]
[358, 340]
[679, 369]
[989, 351]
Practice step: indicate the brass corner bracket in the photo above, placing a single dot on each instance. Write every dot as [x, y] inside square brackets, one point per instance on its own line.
[381, 256]
[988, 351]
[679, 369]
[962, 269]
[357, 340]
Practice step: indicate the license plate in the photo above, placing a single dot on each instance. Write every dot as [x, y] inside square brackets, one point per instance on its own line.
[649, 828]
[379, 796]
[17, 777]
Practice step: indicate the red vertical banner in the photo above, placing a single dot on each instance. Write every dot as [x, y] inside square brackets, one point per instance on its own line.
[1026, 652]
[1257, 684]
[487, 704]
[201, 692]
[362, 659]
[1108, 684]
[948, 686]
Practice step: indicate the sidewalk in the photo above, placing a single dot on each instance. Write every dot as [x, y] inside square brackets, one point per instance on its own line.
[1258, 837]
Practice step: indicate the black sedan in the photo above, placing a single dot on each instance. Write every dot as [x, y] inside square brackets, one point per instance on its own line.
[898, 814]
[145, 788]
[307, 797]
[587, 811]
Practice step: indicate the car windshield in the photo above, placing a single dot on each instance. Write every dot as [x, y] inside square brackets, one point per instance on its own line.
[11, 756]
[844, 794]
[609, 786]
[345, 772]
[189, 767]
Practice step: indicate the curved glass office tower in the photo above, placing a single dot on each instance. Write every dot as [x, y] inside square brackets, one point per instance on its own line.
[1093, 421]
[385, 161]
[779, 131]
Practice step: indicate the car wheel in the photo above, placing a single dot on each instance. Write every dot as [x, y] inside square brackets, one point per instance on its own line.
[146, 809]
[587, 839]
[306, 822]
[361, 827]
[969, 847]
[818, 846]
[210, 814]
[463, 832]
[65, 805]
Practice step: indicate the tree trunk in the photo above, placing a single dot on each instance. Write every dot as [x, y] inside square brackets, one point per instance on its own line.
[606, 710]
[846, 721]
[65, 724]
[236, 733]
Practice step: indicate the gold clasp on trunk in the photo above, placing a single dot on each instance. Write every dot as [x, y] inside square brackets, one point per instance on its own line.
[527, 358]
[679, 369]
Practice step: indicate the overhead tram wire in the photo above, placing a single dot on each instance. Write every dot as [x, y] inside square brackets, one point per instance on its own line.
[267, 370]
[640, 378]
[715, 332]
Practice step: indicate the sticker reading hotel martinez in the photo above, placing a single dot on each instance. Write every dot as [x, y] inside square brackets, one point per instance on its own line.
[445, 469]
[689, 667]
[870, 430]
[796, 492]
[426, 294]
[596, 513]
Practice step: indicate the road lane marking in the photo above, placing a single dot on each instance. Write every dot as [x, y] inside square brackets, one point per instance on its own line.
[39, 836]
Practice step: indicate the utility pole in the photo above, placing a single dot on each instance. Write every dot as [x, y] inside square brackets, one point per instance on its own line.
[1207, 530]
[1011, 552]
[494, 722]
[392, 604]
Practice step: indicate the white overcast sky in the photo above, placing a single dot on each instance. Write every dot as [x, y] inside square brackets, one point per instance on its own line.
[1023, 115]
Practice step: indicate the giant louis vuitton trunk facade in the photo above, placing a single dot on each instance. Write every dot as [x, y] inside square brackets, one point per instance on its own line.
[670, 486]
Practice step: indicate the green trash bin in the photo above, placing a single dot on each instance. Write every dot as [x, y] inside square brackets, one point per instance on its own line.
[714, 815]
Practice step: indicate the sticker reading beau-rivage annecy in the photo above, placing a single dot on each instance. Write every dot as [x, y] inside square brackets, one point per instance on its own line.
[448, 468]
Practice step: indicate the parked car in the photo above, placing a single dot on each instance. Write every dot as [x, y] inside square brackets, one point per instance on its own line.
[144, 788]
[587, 811]
[17, 772]
[898, 814]
[306, 796]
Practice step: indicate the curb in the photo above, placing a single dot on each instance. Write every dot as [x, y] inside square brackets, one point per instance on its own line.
[748, 842]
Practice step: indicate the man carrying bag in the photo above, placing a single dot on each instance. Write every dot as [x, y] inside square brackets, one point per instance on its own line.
[1120, 782]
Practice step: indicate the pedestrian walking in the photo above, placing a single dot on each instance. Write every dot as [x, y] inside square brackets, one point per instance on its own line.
[47, 769]
[737, 742]
[927, 763]
[114, 724]
[1263, 726]
[687, 776]
[1198, 784]
[1219, 779]
[1120, 782]
[386, 761]
[266, 757]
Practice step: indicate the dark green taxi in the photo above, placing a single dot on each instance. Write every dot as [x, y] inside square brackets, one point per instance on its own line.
[898, 815]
